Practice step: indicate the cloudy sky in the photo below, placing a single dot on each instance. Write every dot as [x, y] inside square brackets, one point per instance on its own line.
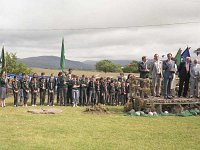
[99, 29]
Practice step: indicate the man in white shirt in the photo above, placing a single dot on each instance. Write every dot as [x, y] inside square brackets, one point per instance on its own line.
[156, 71]
[194, 74]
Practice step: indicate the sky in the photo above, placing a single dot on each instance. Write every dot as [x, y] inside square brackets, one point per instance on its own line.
[99, 29]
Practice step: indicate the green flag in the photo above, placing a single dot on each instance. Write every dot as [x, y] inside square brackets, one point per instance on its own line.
[2, 60]
[62, 57]
[178, 57]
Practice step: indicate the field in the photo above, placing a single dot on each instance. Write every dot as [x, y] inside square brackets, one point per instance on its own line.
[74, 130]
[77, 72]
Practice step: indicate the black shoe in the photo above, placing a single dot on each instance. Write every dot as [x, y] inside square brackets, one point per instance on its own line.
[169, 97]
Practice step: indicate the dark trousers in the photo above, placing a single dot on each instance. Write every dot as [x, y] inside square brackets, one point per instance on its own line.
[42, 96]
[16, 98]
[183, 81]
[33, 98]
[57, 95]
[26, 97]
[50, 98]
[69, 96]
[102, 97]
[83, 96]
[65, 93]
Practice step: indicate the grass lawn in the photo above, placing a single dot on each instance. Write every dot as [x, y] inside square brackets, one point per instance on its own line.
[72, 129]
[88, 73]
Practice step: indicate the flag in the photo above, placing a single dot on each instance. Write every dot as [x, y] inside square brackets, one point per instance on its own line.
[2, 60]
[62, 57]
[186, 53]
[178, 57]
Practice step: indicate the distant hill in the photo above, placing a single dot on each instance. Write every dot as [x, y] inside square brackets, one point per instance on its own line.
[54, 62]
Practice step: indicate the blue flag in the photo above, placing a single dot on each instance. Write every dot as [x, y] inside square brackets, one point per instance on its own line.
[186, 53]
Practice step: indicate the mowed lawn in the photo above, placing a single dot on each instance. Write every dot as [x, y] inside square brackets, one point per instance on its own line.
[73, 129]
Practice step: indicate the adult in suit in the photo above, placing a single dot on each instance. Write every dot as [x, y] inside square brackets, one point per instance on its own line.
[184, 77]
[144, 72]
[169, 70]
[194, 74]
[156, 71]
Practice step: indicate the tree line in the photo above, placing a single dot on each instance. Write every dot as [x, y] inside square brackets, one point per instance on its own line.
[109, 66]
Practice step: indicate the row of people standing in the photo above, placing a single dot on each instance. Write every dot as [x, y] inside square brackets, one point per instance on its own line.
[90, 91]
[70, 90]
[166, 71]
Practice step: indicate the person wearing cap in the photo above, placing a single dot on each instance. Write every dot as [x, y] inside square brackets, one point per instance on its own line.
[184, 77]
[16, 87]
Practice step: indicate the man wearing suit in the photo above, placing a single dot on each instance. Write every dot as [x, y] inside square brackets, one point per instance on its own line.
[184, 77]
[169, 70]
[156, 71]
[144, 72]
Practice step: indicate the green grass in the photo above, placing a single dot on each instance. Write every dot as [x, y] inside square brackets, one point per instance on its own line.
[73, 129]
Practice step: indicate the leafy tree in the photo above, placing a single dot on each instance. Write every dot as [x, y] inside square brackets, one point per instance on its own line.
[131, 68]
[107, 66]
[12, 66]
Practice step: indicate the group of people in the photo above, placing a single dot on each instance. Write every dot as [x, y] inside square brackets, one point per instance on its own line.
[68, 89]
[166, 71]
[73, 90]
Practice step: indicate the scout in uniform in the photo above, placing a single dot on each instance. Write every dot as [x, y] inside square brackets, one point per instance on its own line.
[92, 93]
[102, 91]
[51, 85]
[16, 87]
[25, 86]
[65, 88]
[83, 91]
[34, 86]
[111, 90]
[118, 92]
[60, 82]
[97, 89]
[43, 87]
[21, 90]
[123, 93]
